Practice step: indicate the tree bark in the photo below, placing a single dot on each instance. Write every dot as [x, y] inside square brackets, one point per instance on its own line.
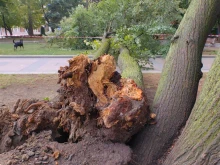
[105, 46]
[177, 90]
[130, 68]
[5, 24]
[45, 16]
[199, 141]
[103, 49]
[30, 22]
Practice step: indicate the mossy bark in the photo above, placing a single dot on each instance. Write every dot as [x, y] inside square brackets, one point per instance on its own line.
[130, 68]
[177, 90]
[200, 139]
[103, 49]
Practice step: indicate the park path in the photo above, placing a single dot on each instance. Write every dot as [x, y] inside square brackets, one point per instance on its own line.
[51, 64]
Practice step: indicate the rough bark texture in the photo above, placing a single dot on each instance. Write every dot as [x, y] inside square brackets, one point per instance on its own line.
[200, 139]
[176, 94]
[30, 22]
[130, 68]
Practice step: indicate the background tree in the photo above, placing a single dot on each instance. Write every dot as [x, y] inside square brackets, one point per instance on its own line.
[32, 16]
[88, 2]
[43, 5]
[57, 9]
[9, 15]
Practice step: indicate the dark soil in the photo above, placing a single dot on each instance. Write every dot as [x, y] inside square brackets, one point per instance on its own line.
[41, 149]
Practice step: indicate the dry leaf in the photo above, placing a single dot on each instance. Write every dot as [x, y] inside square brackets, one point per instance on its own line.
[56, 154]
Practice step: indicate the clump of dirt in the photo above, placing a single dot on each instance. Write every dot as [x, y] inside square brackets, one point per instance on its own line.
[94, 112]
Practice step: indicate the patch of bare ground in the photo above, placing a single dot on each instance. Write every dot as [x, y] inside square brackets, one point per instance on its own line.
[14, 87]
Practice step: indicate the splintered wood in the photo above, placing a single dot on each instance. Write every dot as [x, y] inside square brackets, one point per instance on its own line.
[118, 102]
[93, 100]
[95, 90]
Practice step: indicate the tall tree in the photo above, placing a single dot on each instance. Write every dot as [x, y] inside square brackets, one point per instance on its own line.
[31, 15]
[177, 90]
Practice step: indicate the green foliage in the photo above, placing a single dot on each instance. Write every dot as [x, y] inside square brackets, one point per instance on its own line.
[57, 9]
[135, 23]
[2, 3]
[81, 23]
[31, 14]
[46, 99]
[95, 44]
[184, 4]
[141, 46]
[9, 14]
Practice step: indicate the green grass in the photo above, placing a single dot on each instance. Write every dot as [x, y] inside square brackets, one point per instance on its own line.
[10, 79]
[210, 52]
[38, 48]
[7, 80]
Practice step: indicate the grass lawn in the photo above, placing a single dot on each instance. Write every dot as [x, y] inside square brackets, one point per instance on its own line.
[37, 48]
[7, 80]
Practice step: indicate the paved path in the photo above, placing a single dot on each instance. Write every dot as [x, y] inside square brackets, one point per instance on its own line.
[50, 64]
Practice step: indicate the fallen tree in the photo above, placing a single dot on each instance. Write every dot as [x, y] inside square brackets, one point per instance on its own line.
[95, 106]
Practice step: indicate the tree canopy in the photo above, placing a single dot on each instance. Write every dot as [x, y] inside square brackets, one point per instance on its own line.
[134, 23]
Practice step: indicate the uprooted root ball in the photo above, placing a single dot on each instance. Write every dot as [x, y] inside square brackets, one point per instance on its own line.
[94, 101]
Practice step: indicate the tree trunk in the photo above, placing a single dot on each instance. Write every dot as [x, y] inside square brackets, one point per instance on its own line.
[45, 16]
[30, 22]
[177, 90]
[219, 30]
[199, 141]
[10, 30]
[3, 19]
[103, 49]
[130, 68]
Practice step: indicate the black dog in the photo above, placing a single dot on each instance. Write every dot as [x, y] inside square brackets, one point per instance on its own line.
[20, 43]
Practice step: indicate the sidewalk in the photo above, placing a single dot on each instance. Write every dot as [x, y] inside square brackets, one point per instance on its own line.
[51, 64]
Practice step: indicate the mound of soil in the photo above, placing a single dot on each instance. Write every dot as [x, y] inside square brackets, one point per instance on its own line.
[42, 149]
